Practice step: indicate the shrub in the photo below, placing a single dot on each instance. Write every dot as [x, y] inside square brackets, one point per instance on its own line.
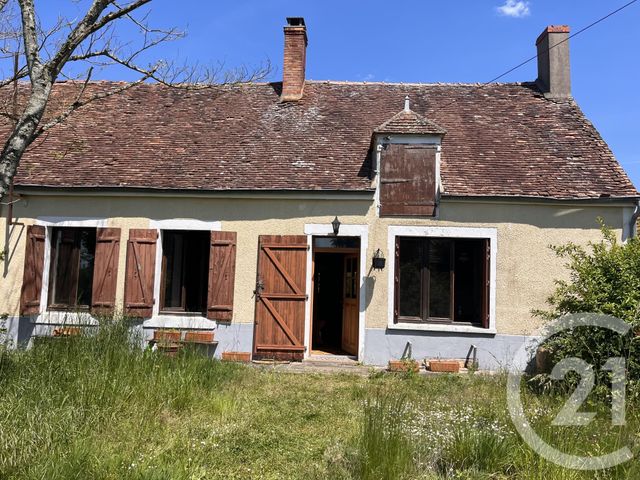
[604, 278]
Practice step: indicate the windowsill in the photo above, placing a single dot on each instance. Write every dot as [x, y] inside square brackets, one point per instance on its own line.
[64, 317]
[434, 327]
[178, 320]
[80, 310]
[178, 313]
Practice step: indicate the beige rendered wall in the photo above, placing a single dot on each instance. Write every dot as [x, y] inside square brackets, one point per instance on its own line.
[526, 267]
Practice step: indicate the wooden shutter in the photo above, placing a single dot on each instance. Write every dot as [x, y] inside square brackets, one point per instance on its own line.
[408, 180]
[105, 270]
[486, 282]
[33, 266]
[280, 297]
[141, 264]
[222, 268]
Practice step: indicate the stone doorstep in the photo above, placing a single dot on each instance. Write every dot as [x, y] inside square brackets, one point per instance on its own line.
[323, 367]
[329, 368]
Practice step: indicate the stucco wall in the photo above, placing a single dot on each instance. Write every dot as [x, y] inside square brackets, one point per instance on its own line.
[526, 267]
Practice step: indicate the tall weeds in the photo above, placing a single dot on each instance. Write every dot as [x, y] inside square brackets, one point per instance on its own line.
[64, 392]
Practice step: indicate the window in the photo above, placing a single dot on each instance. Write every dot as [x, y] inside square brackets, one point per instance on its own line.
[71, 273]
[442, 280]
[185, 267]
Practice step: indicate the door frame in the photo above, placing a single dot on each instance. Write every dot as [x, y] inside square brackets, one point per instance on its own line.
[326, 230]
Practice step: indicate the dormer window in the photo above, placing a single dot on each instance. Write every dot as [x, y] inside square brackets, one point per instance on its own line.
[408, 183]
[408, 180]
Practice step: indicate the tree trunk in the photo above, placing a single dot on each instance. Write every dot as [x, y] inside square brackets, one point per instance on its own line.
[24, 130]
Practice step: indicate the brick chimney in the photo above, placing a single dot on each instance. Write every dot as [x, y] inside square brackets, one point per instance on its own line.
[295, 56]
[554, 71]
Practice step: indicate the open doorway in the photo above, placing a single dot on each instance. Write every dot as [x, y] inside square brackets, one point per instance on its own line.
[336, 286]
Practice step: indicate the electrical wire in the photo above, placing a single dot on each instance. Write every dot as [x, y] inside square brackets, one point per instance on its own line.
[584, 29]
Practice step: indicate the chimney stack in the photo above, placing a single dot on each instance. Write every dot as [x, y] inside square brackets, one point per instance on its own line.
[554, 71]
[295, 56]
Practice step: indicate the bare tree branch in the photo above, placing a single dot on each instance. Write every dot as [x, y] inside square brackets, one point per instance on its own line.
[78, 103]
[56, 51]
[92, 22]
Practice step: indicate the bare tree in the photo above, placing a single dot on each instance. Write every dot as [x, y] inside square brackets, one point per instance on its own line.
[72, 49]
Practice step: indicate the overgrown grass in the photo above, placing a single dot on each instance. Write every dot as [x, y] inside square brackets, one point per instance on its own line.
[99, 407]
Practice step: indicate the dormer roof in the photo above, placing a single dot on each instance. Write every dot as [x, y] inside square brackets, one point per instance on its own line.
[409, 122]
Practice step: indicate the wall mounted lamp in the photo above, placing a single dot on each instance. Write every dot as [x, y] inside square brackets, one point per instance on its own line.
[336, 226]
[379, 261]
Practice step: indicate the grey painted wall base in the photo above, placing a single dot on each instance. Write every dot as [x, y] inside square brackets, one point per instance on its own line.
[18, 332]
[236, 337]
[494, 352]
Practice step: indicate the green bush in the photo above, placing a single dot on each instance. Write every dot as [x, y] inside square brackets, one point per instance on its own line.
[604, 278]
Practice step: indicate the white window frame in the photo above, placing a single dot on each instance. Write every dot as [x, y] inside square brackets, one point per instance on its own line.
[443, 232]
[163, 320]
[56, 317]
[322, 229]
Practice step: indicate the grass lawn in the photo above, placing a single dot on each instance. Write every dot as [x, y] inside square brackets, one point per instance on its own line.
[98, 408]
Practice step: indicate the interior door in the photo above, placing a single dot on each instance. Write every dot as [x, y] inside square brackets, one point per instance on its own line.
[350, 304]
[280, 297]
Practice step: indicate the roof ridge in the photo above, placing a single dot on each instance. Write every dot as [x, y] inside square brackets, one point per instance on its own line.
[420, 84]
[318, 82]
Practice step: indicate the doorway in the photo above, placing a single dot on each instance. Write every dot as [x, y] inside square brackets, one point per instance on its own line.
[336, 287]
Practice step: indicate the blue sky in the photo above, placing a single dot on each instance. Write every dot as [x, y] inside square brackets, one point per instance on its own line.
[423, 41]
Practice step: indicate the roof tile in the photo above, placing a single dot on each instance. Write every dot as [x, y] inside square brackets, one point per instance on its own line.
[502, 140]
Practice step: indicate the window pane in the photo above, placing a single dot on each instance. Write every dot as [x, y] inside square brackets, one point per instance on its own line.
[63, 260]
[439, 264]
[172, 247]
[72, 260]
[351, 278]
[336, 242]
[468, 281]
[87, 248]
[197, 245]
[186, 269]
[410, 282]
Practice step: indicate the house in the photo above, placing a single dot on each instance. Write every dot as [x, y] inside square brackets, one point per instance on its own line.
[301, 218]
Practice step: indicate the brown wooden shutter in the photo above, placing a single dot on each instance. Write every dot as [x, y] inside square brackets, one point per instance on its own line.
[280, 297]
[408, 180]
[141, 264]
[33, 266]
[222, 268]
[486, 279]
[105, 270]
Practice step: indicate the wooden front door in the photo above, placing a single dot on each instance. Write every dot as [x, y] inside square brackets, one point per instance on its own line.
[350, 304]
[280, 297]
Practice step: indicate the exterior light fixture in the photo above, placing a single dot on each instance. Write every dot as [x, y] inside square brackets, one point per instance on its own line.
[336, 226]
[379, 261]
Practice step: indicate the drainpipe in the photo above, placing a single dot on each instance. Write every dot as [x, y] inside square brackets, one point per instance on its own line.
[634, 218]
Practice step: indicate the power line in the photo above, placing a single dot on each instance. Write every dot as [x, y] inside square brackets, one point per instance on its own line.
[591, 25]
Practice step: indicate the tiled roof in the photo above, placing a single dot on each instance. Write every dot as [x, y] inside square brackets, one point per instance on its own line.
[503, 139]
[410, 122]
